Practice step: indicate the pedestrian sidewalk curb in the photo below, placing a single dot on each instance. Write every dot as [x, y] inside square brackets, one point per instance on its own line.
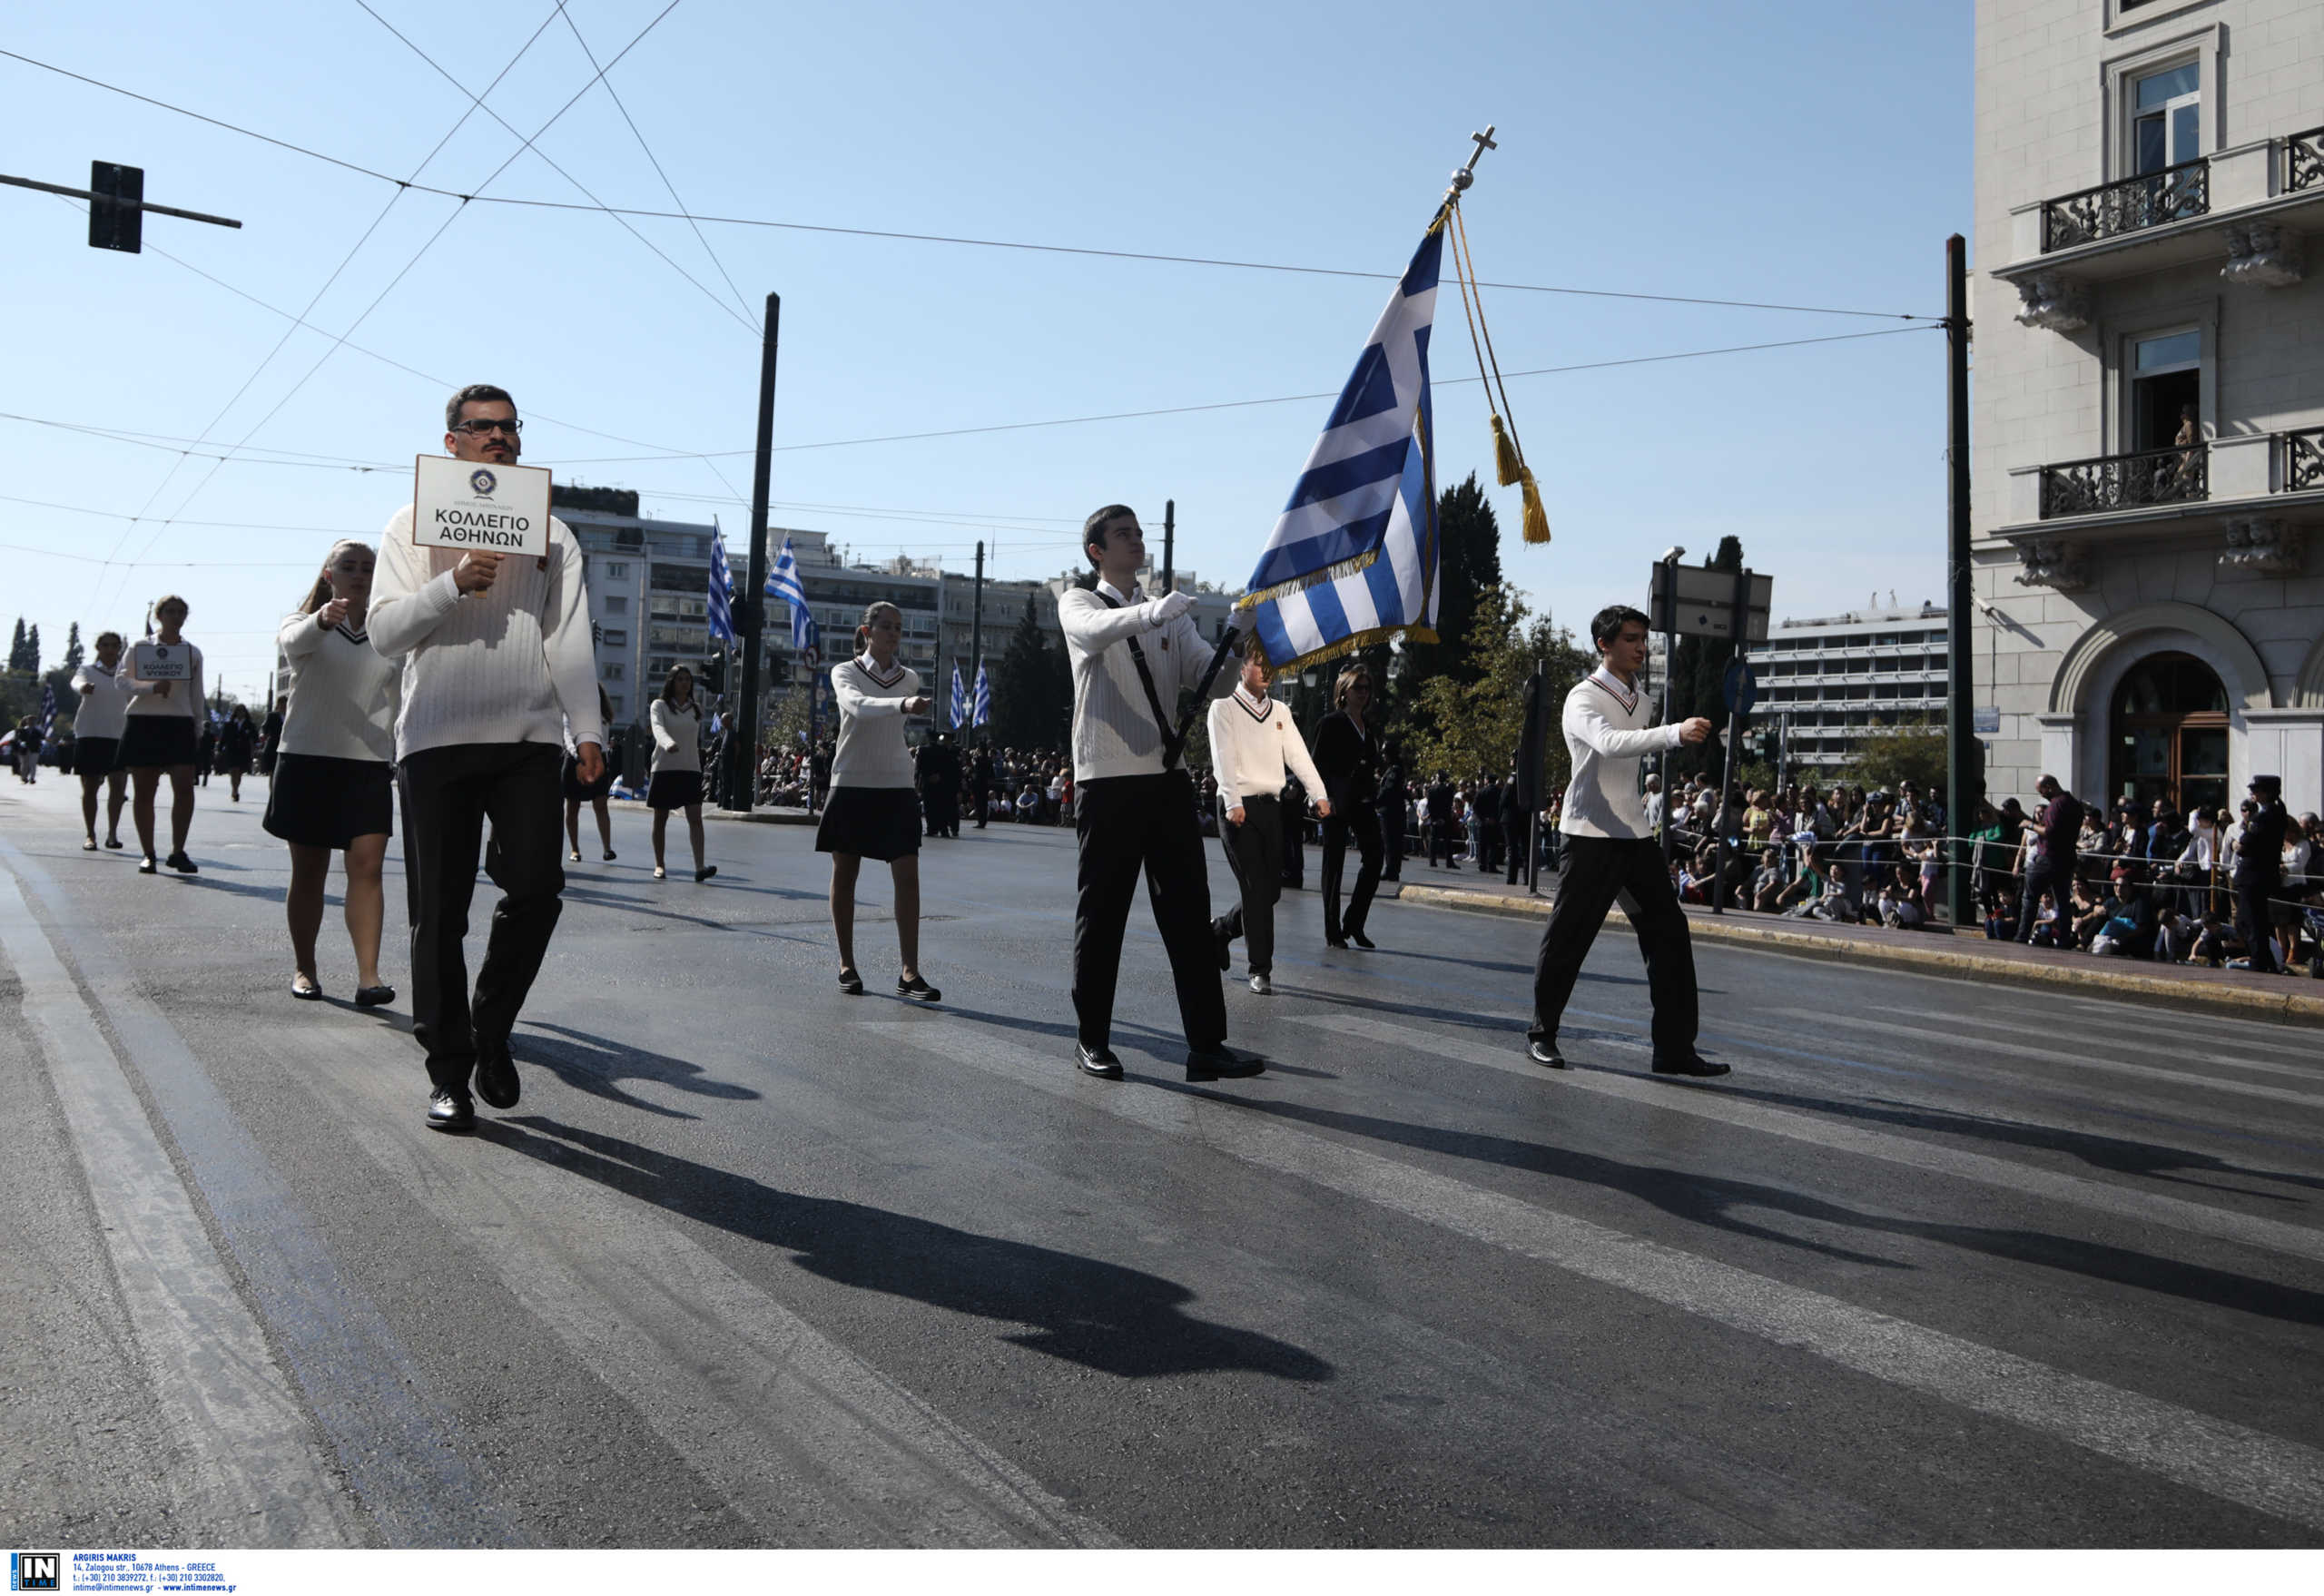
[2292, 1006]
[765, 817]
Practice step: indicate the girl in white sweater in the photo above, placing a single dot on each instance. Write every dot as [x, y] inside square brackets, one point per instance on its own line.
[333, 787]
[162, 732]
[873, 812]
[676, 781]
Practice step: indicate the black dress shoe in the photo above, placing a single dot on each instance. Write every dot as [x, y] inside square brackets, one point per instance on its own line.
[1221, 1063]
[1546, 1055]
[182, 864]
[1339, 942]
[1098, 1062]
[1692, 1064]
[451, 1111]
[496, 1073]
[373, 996]
[308, 993]
[147, 865]
[705, 872]
[1360, 940]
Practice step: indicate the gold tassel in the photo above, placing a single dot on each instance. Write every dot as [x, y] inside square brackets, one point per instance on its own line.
[1506, 464]
[1537, 519]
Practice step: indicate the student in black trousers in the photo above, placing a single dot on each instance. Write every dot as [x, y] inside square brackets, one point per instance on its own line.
[1390, 802]
[1610, 850]
[1347, 757]
[1516, 827]
[2260, 875]
[1134, 810]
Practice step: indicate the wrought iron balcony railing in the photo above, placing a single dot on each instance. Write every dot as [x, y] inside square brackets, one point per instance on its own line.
[2303, 460]
[2122, 482]
[2304, 160]
[2127, 205]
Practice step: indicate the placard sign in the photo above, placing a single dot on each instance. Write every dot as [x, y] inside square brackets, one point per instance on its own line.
[470, 503]
[162, 661]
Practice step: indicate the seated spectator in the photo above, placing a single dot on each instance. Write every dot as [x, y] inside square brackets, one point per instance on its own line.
[1769, 882]
[1897, 910]
[1029, 803]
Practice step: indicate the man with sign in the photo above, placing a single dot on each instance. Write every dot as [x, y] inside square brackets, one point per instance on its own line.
[480, 593]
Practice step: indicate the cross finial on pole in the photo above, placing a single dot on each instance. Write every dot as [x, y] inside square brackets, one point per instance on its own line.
[1468, 174]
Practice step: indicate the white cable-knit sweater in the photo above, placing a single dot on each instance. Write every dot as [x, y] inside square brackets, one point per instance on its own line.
[1253, 741]
[104, 707]
[871, 751]
[509, 665]
[677, 736]
[342, 700]
[184, 697]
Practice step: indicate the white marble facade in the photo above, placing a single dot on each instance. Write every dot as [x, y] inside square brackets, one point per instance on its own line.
[2213, 254]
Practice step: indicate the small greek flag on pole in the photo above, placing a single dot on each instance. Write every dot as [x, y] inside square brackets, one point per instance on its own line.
[960, 699]
[783, 582]
[983, 712]
[1353, 559]
[47, 707]
[722, 594]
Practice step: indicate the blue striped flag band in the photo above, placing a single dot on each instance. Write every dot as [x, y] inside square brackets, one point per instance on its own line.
[722, 594]
[983, 712]
[783, 582]
[959, 704]
[1353, 559]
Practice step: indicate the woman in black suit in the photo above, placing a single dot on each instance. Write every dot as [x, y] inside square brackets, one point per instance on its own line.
[1347, 757]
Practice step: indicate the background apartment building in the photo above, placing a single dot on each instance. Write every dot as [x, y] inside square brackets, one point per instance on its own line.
[1840, 679]
[2148, 403]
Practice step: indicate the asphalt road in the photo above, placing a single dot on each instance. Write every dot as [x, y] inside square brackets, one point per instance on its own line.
[755, 1263]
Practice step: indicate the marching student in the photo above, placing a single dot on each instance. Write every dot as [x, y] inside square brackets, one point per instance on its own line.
[594, 793]
[236, 747]
[1348, 754]
[162, 732]
[1609, 849]
[874, 809]
[97, 738]
[333, 788]
[1134, 811]
[676, 780]
[495, 648]
[1252, 742]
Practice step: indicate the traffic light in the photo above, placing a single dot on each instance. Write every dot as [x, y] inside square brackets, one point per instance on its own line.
[714, 671]
[116, 193]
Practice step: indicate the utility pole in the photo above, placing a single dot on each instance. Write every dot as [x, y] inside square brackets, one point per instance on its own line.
[753, 615]
[1169, 544]
[976, 639]
[117, 207]
[1735, 716]
[1962, 787]
[1668, 620]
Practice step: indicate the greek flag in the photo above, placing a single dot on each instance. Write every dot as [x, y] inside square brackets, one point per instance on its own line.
[1353, 559]
[960, 699]
[984, 698]
[783, 582]
[722, 594]
[47, 707]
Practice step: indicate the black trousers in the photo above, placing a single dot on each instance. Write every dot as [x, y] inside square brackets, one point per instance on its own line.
[1391, 843]
[1363, 821]
[448, 795]
[2044, 874]
[2255, 923]
[1518, 839]
[1597, 869]
[1126, 824]
[1440, 840]
[1255, 853]
[1489, 846]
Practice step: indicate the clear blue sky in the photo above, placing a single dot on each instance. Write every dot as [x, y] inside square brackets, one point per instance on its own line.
[1816, 154]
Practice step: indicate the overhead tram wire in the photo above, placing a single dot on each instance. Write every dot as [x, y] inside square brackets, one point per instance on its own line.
[441, 229]
[985, 243]
[551, 162]
[300, 321]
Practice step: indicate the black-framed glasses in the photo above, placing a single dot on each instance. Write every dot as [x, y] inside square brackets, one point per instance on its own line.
[480, 428]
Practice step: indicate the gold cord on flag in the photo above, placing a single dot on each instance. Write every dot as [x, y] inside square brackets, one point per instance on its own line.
[1509, 455]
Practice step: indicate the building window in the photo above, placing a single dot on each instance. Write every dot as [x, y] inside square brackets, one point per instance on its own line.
[616, 606]
[611, 673]
[616, 700]
[616, 567]
[2166, 387]
[2170, 734]
[2167, 118]
[613, 639]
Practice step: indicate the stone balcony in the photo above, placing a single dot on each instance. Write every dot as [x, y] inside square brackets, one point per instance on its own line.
[2258, 494]
[2249, 207]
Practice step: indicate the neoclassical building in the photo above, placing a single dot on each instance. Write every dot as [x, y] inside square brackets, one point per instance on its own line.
[2148, 420]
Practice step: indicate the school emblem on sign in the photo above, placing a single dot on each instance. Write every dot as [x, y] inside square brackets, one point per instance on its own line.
[483, 483]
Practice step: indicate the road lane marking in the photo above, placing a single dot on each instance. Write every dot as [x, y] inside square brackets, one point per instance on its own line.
[2213, 1455]
[2144, 1207]
[2064, 1058]
[252, 1473]
[807, 1442]
[2096, 1032]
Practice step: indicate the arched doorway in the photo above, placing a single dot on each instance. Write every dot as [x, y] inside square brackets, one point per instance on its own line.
[2169, 733]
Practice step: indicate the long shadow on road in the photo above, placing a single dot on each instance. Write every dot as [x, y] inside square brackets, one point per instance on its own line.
[1104, 1317]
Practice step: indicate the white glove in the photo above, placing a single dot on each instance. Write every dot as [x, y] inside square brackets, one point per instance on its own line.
[1162, 611]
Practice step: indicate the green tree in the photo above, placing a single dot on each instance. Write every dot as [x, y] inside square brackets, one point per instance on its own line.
[74, 652]
[1468, 538]
[1913, 751]
[1470, 729]
[1023, 696]
[16, 660]
[32, 648]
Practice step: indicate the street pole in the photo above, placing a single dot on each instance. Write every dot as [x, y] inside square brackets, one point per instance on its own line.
[1718, 815]
[1962, 787]
[1537, 738]
[1669, 618]
[753, 617]
[976, 638]
[1169, 544]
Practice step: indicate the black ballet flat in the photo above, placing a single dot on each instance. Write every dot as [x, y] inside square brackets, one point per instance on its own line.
[148, 865]
[917, 987]
[705, 872]
[373, 996]
[113, 842]
[849, 982]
